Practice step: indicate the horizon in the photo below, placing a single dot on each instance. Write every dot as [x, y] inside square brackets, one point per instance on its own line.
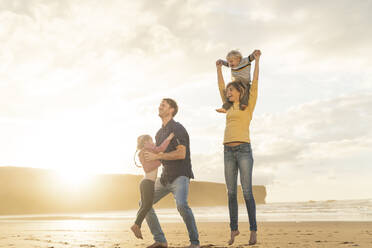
[91, 176]
[79, 86]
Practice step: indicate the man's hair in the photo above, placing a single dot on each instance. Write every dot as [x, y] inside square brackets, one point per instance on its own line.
[172, 103]
[234, 53]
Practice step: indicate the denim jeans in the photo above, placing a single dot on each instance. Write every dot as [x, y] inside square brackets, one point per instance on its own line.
[180, 189]
[239, 158]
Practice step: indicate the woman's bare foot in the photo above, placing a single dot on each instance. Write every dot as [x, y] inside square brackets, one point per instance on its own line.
[253, 238]
[232, 238]
[137, 231]
[221, 110]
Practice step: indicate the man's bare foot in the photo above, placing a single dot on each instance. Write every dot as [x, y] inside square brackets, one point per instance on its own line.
[221, 110]
[137, 231]
[232, 238]
[253, 238]
[158, 245]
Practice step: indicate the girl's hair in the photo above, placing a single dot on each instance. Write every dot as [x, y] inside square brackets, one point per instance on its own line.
[140, 144]
[234, 53]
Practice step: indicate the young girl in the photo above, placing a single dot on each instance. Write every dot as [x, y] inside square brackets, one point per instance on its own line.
[145, 143]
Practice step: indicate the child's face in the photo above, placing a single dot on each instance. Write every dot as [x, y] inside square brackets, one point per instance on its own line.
[149, 142]
[233, 61]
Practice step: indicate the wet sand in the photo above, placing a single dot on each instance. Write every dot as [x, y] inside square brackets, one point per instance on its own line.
[115, 234]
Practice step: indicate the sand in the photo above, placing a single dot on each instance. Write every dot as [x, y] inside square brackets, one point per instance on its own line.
[115, 234]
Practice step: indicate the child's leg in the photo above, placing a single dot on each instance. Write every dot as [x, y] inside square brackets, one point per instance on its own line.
[147, 198]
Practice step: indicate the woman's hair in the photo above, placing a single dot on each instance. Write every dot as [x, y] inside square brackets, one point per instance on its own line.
[234, 53]
[237, 84]
[140, 144]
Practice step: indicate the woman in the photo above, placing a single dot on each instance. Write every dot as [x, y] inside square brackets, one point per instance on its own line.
[237, 148]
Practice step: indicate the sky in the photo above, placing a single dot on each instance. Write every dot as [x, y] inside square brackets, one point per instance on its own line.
[80, 80]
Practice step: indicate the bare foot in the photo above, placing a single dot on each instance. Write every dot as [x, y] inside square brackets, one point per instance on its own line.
[232, 238]
[221, 110]
[158, 245]
[253, 238]
[137, 231]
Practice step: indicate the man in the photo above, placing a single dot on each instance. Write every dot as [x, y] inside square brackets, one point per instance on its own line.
[176, 174]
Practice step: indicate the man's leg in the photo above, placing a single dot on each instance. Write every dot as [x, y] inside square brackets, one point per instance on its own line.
[151, 218]
[180, 190]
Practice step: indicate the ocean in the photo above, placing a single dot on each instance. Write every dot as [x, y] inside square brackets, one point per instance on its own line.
[334, 210]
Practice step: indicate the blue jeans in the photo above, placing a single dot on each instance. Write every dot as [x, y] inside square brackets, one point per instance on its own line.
[180, 189]
[239, 158]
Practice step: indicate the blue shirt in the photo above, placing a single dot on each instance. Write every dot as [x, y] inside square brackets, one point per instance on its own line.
[175, 168]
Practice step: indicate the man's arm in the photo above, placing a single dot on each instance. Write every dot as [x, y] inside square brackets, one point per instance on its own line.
[179, 153]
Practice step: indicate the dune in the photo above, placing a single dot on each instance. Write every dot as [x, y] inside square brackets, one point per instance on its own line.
[38, 191]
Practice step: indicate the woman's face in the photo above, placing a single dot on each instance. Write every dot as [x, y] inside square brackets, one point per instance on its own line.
[232, 94]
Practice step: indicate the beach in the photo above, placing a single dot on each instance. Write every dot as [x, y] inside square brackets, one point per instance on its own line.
[115, 234]
[292, 224]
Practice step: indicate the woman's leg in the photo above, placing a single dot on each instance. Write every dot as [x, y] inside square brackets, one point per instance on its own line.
[231, 174]
[245, 162]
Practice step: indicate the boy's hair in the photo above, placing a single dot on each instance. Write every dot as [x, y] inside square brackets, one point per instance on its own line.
[172, 103]
[234, 53]
[141, 141]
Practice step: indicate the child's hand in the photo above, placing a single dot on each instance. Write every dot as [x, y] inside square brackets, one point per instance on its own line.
[170, 136]
[219, 63]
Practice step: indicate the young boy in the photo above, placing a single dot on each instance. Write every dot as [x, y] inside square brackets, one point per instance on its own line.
[240, 71]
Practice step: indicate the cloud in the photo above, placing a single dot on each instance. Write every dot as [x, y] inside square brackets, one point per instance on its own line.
[321, 140]
[106, 65]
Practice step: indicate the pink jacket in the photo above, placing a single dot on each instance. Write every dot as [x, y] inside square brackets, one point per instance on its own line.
[152, 165]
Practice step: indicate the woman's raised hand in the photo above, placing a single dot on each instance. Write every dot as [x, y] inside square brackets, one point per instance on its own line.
[257, 54]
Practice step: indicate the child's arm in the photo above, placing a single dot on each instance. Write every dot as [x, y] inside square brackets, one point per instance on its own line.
[164, 145]
[223, 62]
[251, 56]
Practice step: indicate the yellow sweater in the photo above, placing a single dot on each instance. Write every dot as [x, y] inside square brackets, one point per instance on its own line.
[238, 121]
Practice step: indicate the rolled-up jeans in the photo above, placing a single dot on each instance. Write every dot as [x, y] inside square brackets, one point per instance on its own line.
[180, 189]
[239, 158]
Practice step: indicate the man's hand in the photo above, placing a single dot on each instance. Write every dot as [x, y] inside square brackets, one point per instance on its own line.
[149, 156]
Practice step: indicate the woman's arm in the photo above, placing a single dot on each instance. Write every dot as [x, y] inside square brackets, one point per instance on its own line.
[254, 87]
[221, 82]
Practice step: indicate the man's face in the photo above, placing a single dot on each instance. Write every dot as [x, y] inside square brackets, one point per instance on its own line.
[164, 109]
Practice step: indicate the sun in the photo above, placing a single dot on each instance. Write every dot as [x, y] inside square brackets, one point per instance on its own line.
[74, 179]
